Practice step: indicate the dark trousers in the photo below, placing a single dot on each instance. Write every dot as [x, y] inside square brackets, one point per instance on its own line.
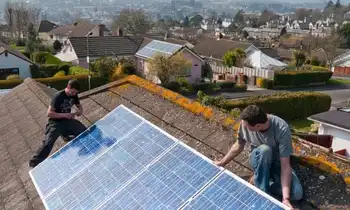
[54, 129]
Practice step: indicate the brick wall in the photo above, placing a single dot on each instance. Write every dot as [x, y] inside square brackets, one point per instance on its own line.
[341, 71]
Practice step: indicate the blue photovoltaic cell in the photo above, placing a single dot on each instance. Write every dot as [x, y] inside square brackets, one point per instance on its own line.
[82, 150]
[227, 192]
[166, 184]
[155, 47]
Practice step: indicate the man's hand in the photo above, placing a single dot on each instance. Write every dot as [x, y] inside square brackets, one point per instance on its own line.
[78, 113]
[287, 203]
[69, 115]
[219, 163]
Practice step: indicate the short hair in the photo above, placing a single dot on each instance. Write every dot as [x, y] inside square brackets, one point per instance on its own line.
[254, 115]
[73, 83]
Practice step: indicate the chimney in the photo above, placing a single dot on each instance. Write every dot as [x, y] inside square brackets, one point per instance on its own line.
[166, 35]
[101, 30]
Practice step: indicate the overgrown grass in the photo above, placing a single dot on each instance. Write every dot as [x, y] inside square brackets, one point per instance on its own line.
[303, 126]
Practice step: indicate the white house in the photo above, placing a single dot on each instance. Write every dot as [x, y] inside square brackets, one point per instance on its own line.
[13, 62]
[337, 124]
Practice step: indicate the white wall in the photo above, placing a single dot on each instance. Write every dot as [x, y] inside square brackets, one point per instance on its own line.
[341, 138]
[12, 61]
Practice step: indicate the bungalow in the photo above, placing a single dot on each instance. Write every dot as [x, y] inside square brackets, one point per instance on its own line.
[44, 28]
[13, 62]
[77, 49]
[147, 52]
[337, 124]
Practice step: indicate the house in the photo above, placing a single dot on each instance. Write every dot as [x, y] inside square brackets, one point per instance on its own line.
[335, 123]
[259, 60]
[75, 49]
[215, 48]
[62, 33]
[44, 28]
[262, 33]
[23, 120]
[13, 62]
[147, 52]
[5, 31]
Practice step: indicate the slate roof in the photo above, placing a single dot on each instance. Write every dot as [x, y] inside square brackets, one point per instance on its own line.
[46, 26]
[75, 30]
[211, 47]
[4, 47]
[147, 40]
[335, 118]
[106, 45]
[22, 123]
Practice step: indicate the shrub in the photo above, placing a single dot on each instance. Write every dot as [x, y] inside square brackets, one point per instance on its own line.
[315, 61]
[51, 59]
[319, 68]
[117, 72]
[264, 83]
[77, 70]
[60, 74]
[39, 57]
[174, 86]
[222, 85]
[299, 78]
[48, 70]
[288, 105]
[13, 77]
[9, 84]
[184, 84]
[211, 100]
[202, 86]
[27, 54]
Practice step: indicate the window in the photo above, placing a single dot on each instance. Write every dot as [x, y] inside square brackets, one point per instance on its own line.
[6, 72]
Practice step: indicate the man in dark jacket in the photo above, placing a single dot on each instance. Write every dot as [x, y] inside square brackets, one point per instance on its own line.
[61, 121]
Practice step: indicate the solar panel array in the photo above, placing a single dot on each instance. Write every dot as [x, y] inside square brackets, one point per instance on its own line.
[158, 47]
[125, 162]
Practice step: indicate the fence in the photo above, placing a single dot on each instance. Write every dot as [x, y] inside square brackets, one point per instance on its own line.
[341, 71]
[268, 74]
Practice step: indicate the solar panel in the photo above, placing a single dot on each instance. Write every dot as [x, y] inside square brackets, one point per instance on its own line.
[156, 46]
[228, 191]
[125, 162]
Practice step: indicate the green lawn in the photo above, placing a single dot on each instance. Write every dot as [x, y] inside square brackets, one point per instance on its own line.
[301, 125]
[339, 81]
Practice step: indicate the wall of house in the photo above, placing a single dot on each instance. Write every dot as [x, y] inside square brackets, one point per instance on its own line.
[195, 72]
[12, 61]
[341, 138]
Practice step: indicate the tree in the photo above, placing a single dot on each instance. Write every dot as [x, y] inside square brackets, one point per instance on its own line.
[169, 68]
[239, 18]
[299, 58]
[186, 22]
[283, 31]
[19, 16]
[132, 21]
[337, 5]
[104, 67]
[301, 13]
[266, 16]
[329, 5]
[328, 45]
[234, 58]
[196, 20]
[32, 40]
[345, 33]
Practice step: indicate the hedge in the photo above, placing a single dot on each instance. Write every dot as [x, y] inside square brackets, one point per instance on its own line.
[300, 78]
[287, 105]
[77, 70]
[58, 83]
[264, 83]
[45, 58]
[48, 70]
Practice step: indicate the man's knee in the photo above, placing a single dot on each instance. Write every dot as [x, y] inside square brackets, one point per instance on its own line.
[264, 152]
[297, 190]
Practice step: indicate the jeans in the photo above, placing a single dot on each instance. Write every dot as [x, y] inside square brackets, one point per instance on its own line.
[54, 129]
[267, 173]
